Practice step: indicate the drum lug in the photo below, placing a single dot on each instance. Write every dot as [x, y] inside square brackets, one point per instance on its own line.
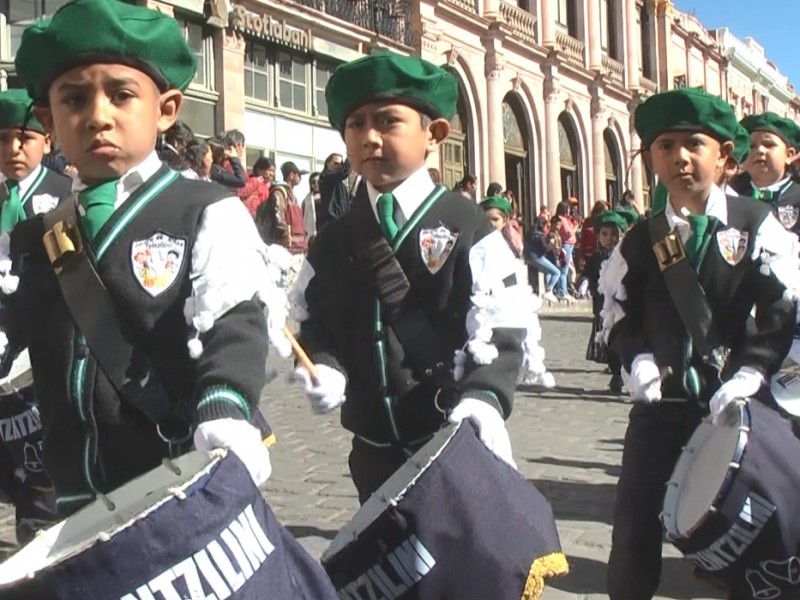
[712, 509]
[105, 500]
[688, 449]
[671, 483]
[171, 466]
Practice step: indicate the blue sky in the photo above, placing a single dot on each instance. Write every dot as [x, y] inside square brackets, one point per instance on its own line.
[775, 24]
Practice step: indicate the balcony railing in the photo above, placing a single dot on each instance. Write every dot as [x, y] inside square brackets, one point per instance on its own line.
[614, 70]
[467, 5]
[388, 18]
[648, 85]
[572, 48]
[521, 22]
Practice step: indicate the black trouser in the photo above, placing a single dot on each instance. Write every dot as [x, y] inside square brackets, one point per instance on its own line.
[370, 467]
[614, 362]
[653, 442]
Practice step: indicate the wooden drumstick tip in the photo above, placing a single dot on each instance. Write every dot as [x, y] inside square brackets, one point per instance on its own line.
[301, 355]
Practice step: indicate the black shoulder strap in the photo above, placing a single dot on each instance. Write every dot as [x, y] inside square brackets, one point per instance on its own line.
[384, 274]
[96, 314]
[686, 292]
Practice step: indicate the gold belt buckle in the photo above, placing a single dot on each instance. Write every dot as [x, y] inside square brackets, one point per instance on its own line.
[669, 251]
[61, 241]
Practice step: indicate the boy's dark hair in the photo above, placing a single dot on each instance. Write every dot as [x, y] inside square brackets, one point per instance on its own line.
[232, 137]
[262, 164]
[195, 153]
[494, 189]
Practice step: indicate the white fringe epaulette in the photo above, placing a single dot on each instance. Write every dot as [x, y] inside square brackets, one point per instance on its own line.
[8, 282]
[776, 249]
[612, 272]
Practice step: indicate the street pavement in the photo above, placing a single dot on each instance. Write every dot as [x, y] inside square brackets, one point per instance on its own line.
[567, 441]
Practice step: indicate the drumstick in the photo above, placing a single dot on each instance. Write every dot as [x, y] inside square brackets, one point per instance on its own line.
[301, 355]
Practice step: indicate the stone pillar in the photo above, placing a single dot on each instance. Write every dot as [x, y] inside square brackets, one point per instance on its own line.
[636, 169]
[632, 45]
[491, 9]
[494, 118]
[663, 12]
[552, 160]
[599, 119]
[595, 50]
[230, 80]
[548, 22]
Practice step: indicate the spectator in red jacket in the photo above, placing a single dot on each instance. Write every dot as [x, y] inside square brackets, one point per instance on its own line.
[256, 190]
[588, 243]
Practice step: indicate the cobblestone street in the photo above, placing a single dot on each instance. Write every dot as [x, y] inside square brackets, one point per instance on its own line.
[567, 441]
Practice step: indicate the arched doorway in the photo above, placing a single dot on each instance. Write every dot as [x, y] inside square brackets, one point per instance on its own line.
[569, 157]
[454, 152]
[515, 140]
[613, 169]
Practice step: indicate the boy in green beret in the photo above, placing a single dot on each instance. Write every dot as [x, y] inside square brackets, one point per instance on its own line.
[610, 226]
[409, 286]
[29, 187]
[769, 176]
[742, 259]
[181, 295]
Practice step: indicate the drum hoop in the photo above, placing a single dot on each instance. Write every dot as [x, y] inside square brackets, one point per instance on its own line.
[738, 454]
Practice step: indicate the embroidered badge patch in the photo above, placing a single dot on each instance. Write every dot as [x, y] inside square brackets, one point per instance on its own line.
[156, 261]
[435, 246]
[43, 203]
[732, 245]
[788, 215]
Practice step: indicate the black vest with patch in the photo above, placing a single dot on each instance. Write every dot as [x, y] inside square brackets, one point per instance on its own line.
[45, 194]
[733, 286]
[786, 207]
[343, 330]
[92, 438]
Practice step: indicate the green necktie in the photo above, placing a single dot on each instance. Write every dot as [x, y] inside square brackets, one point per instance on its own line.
[386, 216]
[766, 195]
[98, 203]
[12, 211]
[700, 225]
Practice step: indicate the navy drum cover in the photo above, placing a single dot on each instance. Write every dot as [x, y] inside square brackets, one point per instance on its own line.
[468, 528]
[220, 540]
[21, 435]
[752, 541]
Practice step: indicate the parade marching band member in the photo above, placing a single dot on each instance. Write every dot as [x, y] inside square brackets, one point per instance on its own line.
[29, 189]
[534, 372]
[729, 254]
[774, 143]
[182, 342]
[384, 322]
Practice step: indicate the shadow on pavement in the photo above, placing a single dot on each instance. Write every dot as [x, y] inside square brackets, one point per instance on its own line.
[578, 500]
[301, 531]
[558, 393]
[588, 576]
[569, 317]
[613, 442]
[612, 470]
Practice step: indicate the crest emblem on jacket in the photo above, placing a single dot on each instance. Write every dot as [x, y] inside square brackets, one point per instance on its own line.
[787, 215]
[157, 261]
[732, 245]
[43, 203]
[435, 246]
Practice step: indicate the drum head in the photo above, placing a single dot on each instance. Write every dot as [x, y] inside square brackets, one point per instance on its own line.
[700, 473]
[785, 387]
[391, 491]
[96, 523]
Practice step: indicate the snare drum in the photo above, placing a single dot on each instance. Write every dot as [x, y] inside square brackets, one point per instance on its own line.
[454, 522]
[196, 528]
[731, 506]
[785, 387]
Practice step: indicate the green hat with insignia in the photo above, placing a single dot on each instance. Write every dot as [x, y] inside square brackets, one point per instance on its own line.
[685, 109]
[784, 128]
[104, 31]
[612, 217]
[741, 145]
[387, 76]
[628, 213]
[501, 203]
[14, 109]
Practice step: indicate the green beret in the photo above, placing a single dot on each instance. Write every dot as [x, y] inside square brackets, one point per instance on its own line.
[499, 202]
[611, 217]
[786, 129]
[628, 213]
[388, 76]
[104, 31]
[14, 111]
[685, 109]
[741, 145]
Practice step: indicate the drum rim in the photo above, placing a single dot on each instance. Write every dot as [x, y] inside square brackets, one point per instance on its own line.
[669, 520]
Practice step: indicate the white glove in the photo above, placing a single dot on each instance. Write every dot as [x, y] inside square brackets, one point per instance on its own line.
[491, 426]
[645, 379]
[3, 343]
[239, 437]
[328, 394]
[744, 384]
